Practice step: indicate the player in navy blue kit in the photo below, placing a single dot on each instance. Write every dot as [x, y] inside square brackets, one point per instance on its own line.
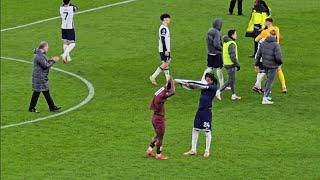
[203, 118]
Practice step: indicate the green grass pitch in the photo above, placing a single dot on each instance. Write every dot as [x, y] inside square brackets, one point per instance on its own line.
[117, 51]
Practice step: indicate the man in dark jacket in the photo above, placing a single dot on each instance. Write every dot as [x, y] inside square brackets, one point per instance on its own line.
[231, 63]
[271, 55]
[232, 4]
[40, 81]
[214, 45]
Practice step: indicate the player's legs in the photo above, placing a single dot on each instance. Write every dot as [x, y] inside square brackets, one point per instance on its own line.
[33, 101]
[158, 123]
[68, 36]
[220, 76]
[258, 85]
[210, 60]
[208, 144]
[164, 67]
[240, 7]
[231, 7]
[271, 75]
[206, 126]
[160, 134]
[219, 65]
[197, 126]
[151, 146]
[282, 80]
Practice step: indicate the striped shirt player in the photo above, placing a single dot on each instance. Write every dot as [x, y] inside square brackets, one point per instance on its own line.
[164, 49]
[158, 118]
[203, 117]
[67, 11]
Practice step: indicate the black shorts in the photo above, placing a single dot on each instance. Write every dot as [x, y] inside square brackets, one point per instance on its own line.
[164, 57]
[68, 34]
[261, 67]
[215, 61]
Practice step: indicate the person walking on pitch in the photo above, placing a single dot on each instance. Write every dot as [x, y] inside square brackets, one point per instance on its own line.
[164, 49]
[271, 55]
[214, 45]
[40, 80]
[231, 63]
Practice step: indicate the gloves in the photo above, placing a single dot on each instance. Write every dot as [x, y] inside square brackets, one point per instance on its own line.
[238, 68]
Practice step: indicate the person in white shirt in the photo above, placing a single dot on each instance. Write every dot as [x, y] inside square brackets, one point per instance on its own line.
[164, 49]
[67, 11]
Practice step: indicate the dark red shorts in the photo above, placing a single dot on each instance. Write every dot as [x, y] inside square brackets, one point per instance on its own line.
[159, 123]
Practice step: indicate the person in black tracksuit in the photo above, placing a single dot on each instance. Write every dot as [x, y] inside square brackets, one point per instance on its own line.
[233, 4]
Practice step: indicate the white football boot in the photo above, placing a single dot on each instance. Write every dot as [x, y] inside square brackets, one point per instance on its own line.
[235, 97]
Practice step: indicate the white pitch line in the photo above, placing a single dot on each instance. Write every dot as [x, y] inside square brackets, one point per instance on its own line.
[83, 102]
[57, 17]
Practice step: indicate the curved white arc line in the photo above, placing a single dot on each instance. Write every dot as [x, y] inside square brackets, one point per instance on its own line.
[57, 17]
[83, 102]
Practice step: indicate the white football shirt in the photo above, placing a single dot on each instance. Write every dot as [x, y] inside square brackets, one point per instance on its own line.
[164, 33]
[66, 13]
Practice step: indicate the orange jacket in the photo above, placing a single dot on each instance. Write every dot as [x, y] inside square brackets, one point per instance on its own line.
[266, 32]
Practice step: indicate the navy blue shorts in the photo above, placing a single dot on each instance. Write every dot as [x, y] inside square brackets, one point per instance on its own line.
[68, 34]
[261, 67]
[202, 121]
[215, 61]
[164, 57]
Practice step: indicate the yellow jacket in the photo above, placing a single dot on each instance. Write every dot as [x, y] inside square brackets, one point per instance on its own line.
[266, 32]
[257, 18]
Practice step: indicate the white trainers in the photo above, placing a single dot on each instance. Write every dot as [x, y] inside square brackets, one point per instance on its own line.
[265, 101]
[269, 98]
[206, 154]
[218, 95]
[228, 88]
[235, 97]
[190, 153]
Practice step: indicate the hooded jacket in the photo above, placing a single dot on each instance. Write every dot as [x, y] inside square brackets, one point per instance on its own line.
[214, 41]
[41, 67]
[270, 52]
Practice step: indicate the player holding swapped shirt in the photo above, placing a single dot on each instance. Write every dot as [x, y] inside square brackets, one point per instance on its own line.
[164, 49]
[203, 118]
[67, 11]
[158, 118]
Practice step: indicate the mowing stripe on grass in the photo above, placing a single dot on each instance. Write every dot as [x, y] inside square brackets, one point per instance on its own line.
[83, 102]
[58, 17]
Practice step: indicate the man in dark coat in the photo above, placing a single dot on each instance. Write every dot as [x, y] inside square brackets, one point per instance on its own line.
[40, 81]
[271, 55]
[232, 5]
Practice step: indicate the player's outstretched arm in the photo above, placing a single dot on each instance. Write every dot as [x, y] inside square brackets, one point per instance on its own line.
[172, 87]
[197, 86]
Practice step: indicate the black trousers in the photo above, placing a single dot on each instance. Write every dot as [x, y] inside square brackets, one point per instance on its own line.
[232, 5]
[35, 97]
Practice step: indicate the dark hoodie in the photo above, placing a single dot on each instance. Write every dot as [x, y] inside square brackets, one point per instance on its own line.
[214, 41]
[270, 52]
[232, 53]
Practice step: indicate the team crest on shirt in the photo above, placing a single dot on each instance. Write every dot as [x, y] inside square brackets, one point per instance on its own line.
[163, 31]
